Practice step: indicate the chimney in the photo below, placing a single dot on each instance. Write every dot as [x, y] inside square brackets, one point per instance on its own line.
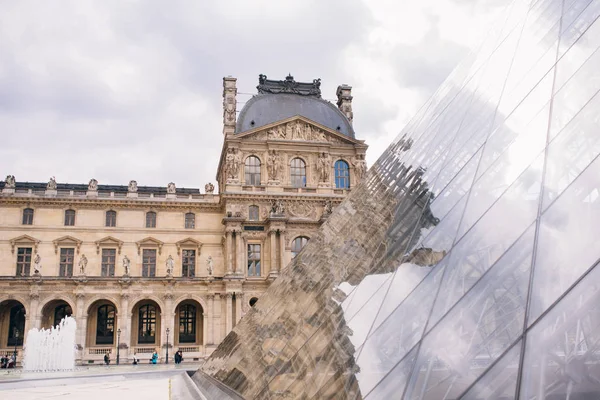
[344, 101]
[229, 105]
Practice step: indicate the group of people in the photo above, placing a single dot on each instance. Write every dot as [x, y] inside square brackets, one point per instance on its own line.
[6, 362]
[153, 360]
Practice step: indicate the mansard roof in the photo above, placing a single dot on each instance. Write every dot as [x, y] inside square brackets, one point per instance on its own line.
[101, 188]
[278, 100]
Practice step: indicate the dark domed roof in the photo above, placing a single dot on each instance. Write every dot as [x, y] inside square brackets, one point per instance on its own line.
[278, 100]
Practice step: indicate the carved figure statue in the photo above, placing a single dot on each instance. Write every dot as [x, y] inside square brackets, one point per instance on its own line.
[232, 164]
[51, 184]
[360, 166]
[277, 207]
[281, 132]
[229, 103]
[170, 265]
[324, 167]
[209, 265]
[262, 79]
[132, 187]
[93, 185]
[308, 133]
[37, 265]
[298, 132]
[328, 207]
[9, 182]
[209, 188]
[274, 165]
[171, 189]
[82, 264]
[126, 265]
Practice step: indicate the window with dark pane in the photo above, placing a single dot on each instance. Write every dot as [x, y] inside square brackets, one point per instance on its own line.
[298, 244]
[67, 256]
[187, 323]
[111, 218]
[253, 213]
[105, 326]
[190, 220]
[149, 263]
[150, 219]
[28, 216]
[16, 326]
[61, 312]
[188, 263]
[109, 257]
[23, 261]
[342, 175]
[252, 171]
[298, 172]
[254, 260]
[147, 324]
[69, 217]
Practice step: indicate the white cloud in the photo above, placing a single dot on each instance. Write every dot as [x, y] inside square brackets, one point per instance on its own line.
[132, 90]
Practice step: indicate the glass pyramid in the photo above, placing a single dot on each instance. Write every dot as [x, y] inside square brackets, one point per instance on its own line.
[465, 266]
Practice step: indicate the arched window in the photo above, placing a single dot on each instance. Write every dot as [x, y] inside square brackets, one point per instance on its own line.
[150, 219]
[190, 220]
[253, 213]
[342, 175]
[69, 217]
[298, 172]
[28, 216]
[105, 326]
[252, 171]
[298, 244]
[147, 324]
[60, 312]
[111, 218]
[16, 326]
[187, 323]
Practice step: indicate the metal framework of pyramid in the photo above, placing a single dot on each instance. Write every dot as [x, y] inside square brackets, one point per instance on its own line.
[466, 265]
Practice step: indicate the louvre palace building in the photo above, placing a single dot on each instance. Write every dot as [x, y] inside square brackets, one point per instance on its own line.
[146, 268]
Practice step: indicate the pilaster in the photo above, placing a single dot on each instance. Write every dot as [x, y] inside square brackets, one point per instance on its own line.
[228, 313]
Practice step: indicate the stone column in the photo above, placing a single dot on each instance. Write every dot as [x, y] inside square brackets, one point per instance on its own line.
[168, 322]
[274, 270]
[239, 269]
[344, 102]
[124, 324]
[204, 331]
[209, 339]
[229, 251]
[81, 319]
[239, 298]
[228, 312]
[281, 250]
[32, 312]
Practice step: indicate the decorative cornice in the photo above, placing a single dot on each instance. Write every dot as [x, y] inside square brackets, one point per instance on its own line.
[150, 241]
[26, 240]
[109, 241]
[289, 85]
[188, 242]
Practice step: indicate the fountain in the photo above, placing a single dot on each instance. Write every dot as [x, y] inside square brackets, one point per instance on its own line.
[51, 349]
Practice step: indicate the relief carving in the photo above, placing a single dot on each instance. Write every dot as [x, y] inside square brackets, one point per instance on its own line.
[232, 165]
[302, 209]
[274, 166]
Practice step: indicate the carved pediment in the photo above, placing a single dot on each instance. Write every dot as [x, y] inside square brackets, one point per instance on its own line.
[188, 243]
[109, 241]
[297, 129]
[24, 240]
[149, 242]
[66, 241]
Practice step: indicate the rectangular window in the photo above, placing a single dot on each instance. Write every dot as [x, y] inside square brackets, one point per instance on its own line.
[66, 262]
[254, 260]
[189, 263]
[70, 218]
[149, 263]
[108, 262]
[111, 218]
[190, 221]
[151, 219]
[23, 261]
[28, 216]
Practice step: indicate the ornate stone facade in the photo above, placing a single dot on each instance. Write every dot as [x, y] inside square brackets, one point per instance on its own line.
[130, 262]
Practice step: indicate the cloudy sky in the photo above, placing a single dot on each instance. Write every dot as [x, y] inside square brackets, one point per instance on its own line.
[120, 90]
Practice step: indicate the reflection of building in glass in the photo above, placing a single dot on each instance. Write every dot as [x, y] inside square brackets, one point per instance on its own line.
[466, 265]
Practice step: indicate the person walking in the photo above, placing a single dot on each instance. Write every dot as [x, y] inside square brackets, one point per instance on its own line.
[135, 359]
[154, 359]
[106, 359]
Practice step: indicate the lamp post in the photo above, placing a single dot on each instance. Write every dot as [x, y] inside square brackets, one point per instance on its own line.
[118, 344]
[16, 341]
[167, 360]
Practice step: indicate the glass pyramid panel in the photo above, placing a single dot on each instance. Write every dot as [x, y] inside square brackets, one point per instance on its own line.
[465, 265]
